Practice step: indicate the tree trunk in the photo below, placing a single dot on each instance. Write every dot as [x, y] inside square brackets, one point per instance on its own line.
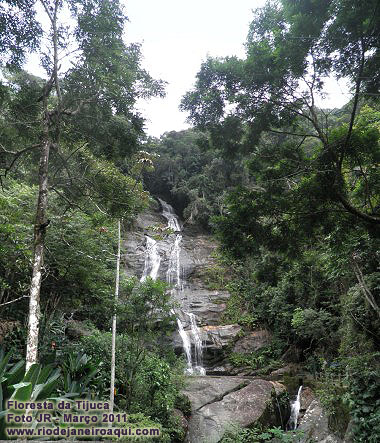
[39, 240]
[42, 202]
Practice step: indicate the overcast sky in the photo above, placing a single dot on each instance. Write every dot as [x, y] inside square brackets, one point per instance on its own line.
[176, 36]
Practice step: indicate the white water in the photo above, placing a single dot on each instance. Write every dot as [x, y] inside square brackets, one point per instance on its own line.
[168, 213]
[173, 277]
[152, 260]
[186, 346]
[173, 274]
[295, 410]
[198, 347]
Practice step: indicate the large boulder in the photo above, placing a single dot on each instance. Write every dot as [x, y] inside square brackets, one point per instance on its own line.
[204, 390]
[314, 424]
[307, 397]
[219, 402]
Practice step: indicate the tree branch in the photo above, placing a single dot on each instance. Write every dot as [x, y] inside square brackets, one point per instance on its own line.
[365, 290]
[348, 206]
[16, 155]
[14, 301]
[293, 133]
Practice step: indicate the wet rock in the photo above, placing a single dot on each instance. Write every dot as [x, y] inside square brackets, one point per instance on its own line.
[244, 406]
[135, 240]
[207, 305]
[253, 341]
[219, 336]
[216, 340]
[195, 255]
[314, 424]
[307, 396]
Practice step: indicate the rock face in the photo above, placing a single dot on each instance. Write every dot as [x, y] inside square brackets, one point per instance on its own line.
[307, 397]
[218, 402]
[195, 297]
[215, 339]
[253, 341]
[314, 424]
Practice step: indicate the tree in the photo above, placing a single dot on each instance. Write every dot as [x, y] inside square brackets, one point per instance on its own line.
[19, 31]
[191, 173]
[291, 48]
[105, 81]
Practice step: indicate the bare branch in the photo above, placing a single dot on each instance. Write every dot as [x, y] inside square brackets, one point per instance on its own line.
[16, 156]
[295, 134]
[14, 301]
[365, 290]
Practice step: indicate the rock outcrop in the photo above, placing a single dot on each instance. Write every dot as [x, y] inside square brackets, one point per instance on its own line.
[253, 341]
[218, 402]
[314, 424]
[195, 297]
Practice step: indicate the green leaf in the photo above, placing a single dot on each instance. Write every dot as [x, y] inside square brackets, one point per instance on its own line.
[16, 373]
[44, 374]
[49, 386]
[23, 391]
[4, 362]
[32, 374]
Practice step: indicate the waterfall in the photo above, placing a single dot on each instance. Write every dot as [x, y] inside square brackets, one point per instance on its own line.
[198, 347]
[173, 274]
[186, 346]
[295, 410]
[168, 213]
[173, 277]
[152, 260]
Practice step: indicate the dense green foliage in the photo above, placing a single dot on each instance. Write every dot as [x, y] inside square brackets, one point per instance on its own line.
[292, 192]
[194, 179]
[299, 223]
[87, 117]
[235, 434]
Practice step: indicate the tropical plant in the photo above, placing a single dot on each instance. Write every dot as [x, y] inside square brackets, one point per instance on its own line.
[38, 383]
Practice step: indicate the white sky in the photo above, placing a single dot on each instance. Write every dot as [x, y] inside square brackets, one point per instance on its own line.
[176, 36]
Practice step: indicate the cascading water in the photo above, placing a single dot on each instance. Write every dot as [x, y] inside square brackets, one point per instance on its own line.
[152, 259]
[168, 213]
[173, 277]
[173, 274]
[186, 346]
[198, 347]
[295, 410]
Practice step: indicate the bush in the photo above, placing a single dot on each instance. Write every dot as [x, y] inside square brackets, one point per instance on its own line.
[258, 434]
[363, 397]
